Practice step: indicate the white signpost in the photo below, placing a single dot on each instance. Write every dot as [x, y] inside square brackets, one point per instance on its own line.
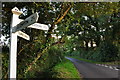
[39, 26]
[13, 44]
[16, 26]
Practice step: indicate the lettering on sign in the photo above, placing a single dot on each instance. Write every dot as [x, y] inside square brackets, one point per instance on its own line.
[23, 35]
[39, 26]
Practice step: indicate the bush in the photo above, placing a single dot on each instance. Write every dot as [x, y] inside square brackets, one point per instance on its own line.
[48, 61]
[75, 53]
[108, 52]
[105, 53]
[83, 53]
[95, 55]
[89, 55]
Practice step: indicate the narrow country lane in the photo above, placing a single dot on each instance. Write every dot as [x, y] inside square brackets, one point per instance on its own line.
[89, 70]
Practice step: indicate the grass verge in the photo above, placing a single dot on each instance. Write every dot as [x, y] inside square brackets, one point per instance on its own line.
[91, 61]
[65, 69]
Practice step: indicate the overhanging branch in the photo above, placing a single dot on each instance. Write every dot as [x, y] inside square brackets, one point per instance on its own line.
[57, 21]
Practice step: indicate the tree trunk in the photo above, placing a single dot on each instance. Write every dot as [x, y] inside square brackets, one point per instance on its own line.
[91, 43]
[86, 45]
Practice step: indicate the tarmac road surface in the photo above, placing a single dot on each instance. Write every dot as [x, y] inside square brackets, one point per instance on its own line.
[95, 71]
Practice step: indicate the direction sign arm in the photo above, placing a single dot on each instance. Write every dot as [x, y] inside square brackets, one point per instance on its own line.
[23, 35]
[39, 26]
[28, 21]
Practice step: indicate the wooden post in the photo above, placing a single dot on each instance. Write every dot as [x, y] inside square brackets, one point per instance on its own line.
[13, 44]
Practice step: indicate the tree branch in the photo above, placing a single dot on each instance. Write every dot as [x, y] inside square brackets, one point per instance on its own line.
[41, 53]
[65, 13]
[57, 21]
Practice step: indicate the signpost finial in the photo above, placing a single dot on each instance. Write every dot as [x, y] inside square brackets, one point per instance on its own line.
[15, 10]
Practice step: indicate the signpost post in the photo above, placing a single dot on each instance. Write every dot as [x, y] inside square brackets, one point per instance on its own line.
[13, 44]
[17, 25]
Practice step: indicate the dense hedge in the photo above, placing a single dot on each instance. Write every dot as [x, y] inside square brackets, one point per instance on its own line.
[40, 69]
[43, 66]
[106, 52]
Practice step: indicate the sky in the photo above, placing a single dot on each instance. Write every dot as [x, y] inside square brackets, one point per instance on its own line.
[3, 40]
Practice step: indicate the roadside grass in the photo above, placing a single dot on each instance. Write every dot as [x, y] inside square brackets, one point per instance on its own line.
[91, 61]
[65, 69]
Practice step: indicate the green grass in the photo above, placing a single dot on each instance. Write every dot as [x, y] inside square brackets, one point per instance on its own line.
[65, 69]
[91, 61]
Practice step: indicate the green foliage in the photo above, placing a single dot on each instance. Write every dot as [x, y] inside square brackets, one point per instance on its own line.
[64, 70]
[83, 53]
[5, 49]
[108, 52]
[52, 57]
[95, 55]
[5, 61]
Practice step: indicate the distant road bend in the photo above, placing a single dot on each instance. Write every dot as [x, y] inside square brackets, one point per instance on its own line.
[90, 70]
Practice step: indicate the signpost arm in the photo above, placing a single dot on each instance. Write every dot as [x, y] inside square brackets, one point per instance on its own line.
[13, 45]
